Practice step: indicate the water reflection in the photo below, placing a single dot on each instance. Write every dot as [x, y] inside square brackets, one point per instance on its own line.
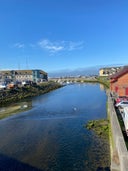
[15, 108]
[102, 87]
[51, 136]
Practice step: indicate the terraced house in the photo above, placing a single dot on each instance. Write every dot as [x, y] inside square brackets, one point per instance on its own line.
[119, 82]
[108, 71]
[35, 75]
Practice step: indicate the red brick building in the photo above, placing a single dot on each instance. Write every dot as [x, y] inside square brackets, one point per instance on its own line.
[119, 82]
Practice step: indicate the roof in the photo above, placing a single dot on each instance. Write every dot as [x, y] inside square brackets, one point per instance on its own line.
[22, 72]
[110, 68]
[43, 72]
[123, 71]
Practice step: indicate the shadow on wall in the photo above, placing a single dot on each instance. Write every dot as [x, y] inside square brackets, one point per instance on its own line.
[10, 164]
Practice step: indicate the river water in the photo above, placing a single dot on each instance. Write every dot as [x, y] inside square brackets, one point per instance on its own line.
[51, 136]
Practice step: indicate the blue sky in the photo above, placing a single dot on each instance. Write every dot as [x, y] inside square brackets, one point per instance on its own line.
[63, 34]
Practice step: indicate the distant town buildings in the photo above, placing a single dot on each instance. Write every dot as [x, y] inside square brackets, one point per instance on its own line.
[22, 76]
[108, 71]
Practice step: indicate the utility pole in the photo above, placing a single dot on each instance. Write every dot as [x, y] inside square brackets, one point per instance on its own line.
[27, 66]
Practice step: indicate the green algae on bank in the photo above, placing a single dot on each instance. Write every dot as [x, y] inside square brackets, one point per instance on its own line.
[101, 127]
[20, 93]
[14, 109]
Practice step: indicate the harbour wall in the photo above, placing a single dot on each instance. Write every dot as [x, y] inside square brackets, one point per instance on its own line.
[119, 152]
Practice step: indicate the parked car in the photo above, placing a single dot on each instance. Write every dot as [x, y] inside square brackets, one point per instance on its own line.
[125, 118]
[120, 98]
[122, 104]
[2, 86]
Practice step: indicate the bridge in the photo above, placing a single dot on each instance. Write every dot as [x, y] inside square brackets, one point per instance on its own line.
[74, 79]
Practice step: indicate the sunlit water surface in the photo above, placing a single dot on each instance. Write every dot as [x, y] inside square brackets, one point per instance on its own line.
[52, 137]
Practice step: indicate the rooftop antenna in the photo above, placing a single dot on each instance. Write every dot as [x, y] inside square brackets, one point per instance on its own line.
[27, 67]
[18, 65]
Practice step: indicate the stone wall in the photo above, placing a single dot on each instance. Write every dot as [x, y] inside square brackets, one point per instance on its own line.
[119, 153]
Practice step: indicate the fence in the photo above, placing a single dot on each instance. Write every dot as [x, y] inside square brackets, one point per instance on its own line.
[119, 159]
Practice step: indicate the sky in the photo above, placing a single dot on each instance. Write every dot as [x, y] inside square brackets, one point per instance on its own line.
[55, 35]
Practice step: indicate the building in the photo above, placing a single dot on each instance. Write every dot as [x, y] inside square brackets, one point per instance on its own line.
[108, 71]
[119, 82]
[35, 75]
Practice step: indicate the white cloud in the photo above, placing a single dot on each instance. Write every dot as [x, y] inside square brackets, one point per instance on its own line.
[76, 45]
[19, 45]
[51, 46]
[60, 45]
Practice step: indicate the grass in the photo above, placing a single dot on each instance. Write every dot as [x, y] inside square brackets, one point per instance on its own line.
[100, 127]
[104, 80]
[111, 140]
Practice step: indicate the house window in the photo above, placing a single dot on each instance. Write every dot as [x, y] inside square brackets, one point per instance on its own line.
[116, 89]
[126, 91]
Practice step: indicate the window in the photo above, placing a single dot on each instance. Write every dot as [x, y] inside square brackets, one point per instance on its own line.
[125, 102]
[116, 89]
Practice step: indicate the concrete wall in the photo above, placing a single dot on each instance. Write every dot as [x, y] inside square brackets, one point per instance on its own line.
[119, 154]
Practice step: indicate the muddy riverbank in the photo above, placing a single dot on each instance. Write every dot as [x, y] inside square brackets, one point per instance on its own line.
[19, 93]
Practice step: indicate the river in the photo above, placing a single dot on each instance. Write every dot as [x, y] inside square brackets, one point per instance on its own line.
[51, 135]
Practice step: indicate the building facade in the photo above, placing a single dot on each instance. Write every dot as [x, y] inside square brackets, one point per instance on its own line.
[108, 71]
[119, 82]
[23, 75]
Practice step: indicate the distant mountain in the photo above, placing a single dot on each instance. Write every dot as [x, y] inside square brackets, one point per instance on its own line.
[75, 72]
[88, 71]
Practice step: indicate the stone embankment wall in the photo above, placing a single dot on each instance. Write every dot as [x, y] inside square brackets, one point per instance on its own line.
[119, 152]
